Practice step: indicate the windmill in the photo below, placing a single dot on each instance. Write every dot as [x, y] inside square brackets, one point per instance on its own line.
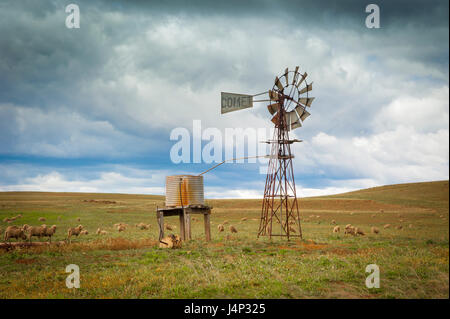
[289, 100]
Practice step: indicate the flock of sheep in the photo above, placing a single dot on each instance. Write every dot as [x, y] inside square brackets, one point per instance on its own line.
[27, 232]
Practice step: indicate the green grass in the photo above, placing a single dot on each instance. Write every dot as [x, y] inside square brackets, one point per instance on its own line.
[414, 262]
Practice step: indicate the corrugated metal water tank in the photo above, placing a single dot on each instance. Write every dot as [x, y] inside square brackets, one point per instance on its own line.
[188, 188]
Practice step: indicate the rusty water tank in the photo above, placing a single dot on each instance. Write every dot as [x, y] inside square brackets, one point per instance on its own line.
[184, 190]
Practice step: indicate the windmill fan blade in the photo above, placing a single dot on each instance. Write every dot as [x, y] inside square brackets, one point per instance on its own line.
[273, 108]
[278, 83]
[286, 74]
[273, 95]
[304, 115]
[296, 125]
[275, 120]
[300, 109]
[306, 89]
[295, 75]
[306, 101]
[302, 79]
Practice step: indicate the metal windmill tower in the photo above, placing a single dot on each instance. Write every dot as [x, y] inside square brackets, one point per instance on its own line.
[289, 98]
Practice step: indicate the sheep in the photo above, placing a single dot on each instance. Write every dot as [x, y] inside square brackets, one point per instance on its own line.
[225, 222]
[74, 232]
[348, 226]
[49, 232]
[168, 227]
[374, 230]
[101, 232]
[6, 220]
[381, 210]
[410, 226]
[120, 224]
[373, 215]
[350, 230]
[42, 219]
[233, 229]
[292, 230]
[336, 229]
[84, 232]
[171, 241]
[399, 227]
[243, 219]
[14, 232]
[387, 226]
[78, 219]
[220, 228]
[121, 228]
[333, 222]
[359, 231]
[38, 231]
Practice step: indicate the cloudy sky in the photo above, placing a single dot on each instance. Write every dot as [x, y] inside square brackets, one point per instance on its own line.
[92, 109]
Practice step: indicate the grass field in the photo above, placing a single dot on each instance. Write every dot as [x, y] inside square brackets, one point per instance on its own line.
[414, 261]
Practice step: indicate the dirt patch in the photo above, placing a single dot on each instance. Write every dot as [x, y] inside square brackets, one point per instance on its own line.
[26, 261]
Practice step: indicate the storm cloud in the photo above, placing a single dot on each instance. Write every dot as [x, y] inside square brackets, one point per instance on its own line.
[104, 98]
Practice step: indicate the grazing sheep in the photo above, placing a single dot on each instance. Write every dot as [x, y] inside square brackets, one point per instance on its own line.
[14, 232]
[171, 241]
[78, 219]
[387, 226]
[333, 222]
[84, 232]
[36, 231]
[401, 220]
[359, 231]
[49, 232]
[292, 230]
[74, 232]
[225, 222]
[120, 224]
[220, 228]
[373, 215]
[336, 229]
[6, 220]
[350, 230]
[101, 232]
[168, 227]
[381, 210]
[410, 226]
[375, 230]
[121, 228]
[233, 229]
[243, 219]
[42, 219]
[399, 227]
[19, 216]
[348, 226]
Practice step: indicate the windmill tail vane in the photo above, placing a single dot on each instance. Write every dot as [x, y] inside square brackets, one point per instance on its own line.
[289, 100]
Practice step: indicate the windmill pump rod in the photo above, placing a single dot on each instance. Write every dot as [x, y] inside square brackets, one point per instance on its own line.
[232, 159]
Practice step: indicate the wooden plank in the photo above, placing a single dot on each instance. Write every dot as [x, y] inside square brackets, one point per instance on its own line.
[207, 226]
[182, 227]
[160, 218]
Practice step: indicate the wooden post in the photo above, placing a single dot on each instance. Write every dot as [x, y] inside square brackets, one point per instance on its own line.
[160, 218]
[188, 226]
[182, 226]
[207, 226]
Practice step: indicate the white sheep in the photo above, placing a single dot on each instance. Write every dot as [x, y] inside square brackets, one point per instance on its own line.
[220, 228]
[36, 231]
[49, 232]
[375, 230]
[14, 232]
[74, 232]
[233, 229]
[336, 229]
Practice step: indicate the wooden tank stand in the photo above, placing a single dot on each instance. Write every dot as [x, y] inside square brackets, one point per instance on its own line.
[185, 219]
